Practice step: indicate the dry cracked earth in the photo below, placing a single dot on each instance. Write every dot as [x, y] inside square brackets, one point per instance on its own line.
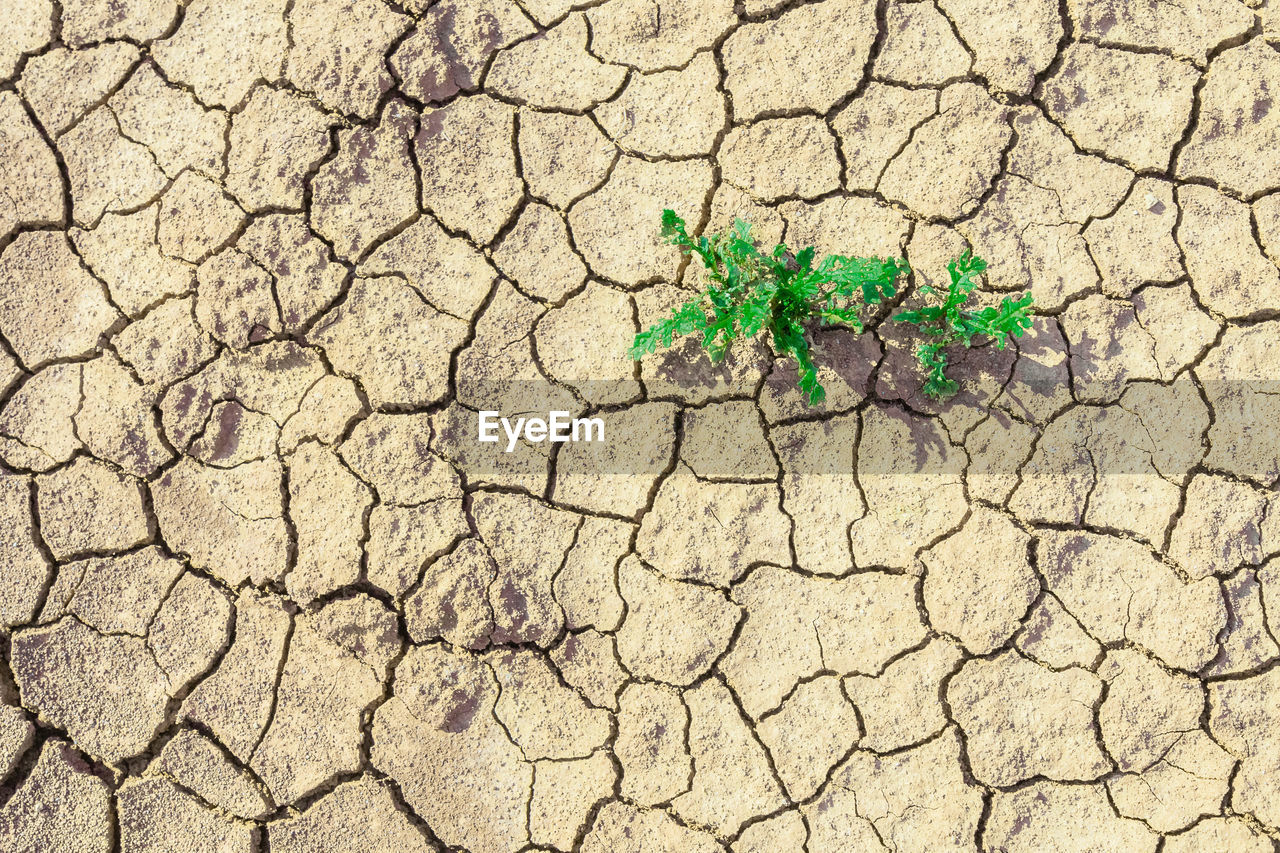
[263, 261]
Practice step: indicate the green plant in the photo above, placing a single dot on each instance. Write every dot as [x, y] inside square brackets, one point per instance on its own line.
[749, 291]
[951, 323]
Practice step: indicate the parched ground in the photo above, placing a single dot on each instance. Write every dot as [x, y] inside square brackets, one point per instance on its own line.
[263, 261]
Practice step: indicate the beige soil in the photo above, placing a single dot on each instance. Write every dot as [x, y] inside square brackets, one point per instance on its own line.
[262, 262]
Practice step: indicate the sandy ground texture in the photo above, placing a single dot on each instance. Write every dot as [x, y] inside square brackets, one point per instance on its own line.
[263, 261]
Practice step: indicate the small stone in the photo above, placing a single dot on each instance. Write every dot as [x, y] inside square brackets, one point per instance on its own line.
[918, 798]
[37, 426]
[234, 703]
[652, 729]
[585, 586]
[616, 228]
[392, 341]
[588, 662]
[618, 475]
[554, 70]
[564, 157]
[1053, 637]
[1135, 244]
[368, 189]
[353, 817]
[536, 254]
[1051, 816]
[1118, 591]
[874, 126]
[444, 747]
[920, 48]
[155, 815]
[912, 681]
[87, 506]
[469, 175]
[228, 521]
[525, 611]
[197, 763]
[1236, 125]
[1011, 42]
[1219, 530]
[448, 50]
[1129, 106]
[89, 21]
[196, 218]
[712, 532]
[732, 780]
[673, 631]
[123, 252]
[29, 177]
[222, 49]
[777, 65]
[782, 158]
[657, 36]
[275, 142]
[180, 132]
[61, 805]
[668, 113]
[402, 539]
[967, 136]
[105, 691]
[452, 599]
[810, 733]
[337, 49]
[565, 793]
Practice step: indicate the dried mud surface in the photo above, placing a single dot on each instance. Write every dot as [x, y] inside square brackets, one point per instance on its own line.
[262, 261]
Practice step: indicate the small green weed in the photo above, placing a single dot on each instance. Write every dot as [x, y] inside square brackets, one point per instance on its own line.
[749, 291]
[950, 323]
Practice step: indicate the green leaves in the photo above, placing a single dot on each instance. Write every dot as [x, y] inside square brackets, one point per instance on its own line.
[749, 292]
[950, 323]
